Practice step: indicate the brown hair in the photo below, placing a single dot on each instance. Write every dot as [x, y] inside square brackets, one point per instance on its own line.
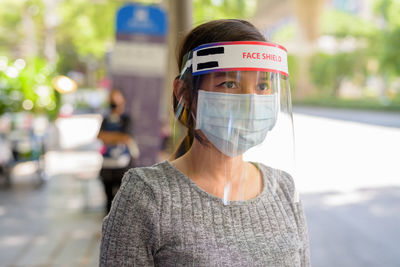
[209, 32]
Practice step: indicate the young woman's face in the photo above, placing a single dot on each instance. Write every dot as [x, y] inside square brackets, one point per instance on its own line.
[239, 82]
[118, 100]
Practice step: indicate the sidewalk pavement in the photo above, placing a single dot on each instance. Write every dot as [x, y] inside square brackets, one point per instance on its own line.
[54, 224]
[354, 229]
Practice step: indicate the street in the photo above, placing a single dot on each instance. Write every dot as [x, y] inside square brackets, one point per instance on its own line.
[349, 180]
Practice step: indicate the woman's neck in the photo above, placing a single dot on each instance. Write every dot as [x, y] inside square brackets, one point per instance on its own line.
[207, 160]
[216, 173]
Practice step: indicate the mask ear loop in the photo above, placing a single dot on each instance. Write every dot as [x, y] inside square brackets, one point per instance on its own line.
[182, 114]
[180, 108]
[178, 114]
[193, 119]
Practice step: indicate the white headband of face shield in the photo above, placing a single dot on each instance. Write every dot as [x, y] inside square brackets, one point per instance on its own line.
[237, 56]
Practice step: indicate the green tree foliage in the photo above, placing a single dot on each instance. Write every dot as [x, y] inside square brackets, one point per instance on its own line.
[27, 86]
[329, 70]
[341, 25]
[84, 30]
[88, 26]
[386, 43]
[12, 25]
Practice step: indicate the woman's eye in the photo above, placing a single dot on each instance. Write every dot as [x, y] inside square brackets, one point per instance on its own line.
[262, 86]
[228, 85]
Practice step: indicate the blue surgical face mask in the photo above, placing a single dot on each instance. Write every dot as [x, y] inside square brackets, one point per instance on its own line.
[234, 123]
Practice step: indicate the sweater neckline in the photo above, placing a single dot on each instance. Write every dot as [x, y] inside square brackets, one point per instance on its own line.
[191, 183]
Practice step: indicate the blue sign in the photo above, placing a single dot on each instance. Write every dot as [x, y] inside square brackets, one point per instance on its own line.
[141, 19]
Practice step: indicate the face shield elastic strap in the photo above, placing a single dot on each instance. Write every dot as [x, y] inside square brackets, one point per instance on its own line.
[186, 65]
[235, 56]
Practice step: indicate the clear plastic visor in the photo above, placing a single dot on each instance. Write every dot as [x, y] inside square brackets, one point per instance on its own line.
[244, 142]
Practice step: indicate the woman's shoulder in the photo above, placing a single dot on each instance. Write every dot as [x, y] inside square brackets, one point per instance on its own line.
[151, 178]
[149, 175]
[280, 181]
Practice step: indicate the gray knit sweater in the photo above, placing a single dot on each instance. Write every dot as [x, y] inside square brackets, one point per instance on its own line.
[162, 218]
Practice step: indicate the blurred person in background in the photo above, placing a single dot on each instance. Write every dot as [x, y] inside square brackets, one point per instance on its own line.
[119, 150]
[208, 205]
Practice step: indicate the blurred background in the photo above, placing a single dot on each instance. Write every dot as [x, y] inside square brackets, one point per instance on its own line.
[59, 60]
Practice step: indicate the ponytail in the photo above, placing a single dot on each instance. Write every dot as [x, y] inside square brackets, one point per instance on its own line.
[184, 145]
[185, 117]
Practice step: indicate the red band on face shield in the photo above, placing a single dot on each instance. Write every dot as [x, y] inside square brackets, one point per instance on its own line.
[239, 56]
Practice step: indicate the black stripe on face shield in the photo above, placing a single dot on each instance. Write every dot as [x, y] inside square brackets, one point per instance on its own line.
[211, 51]
[207, 65]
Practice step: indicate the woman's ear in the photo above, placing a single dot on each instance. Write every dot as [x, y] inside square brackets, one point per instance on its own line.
[179, 90]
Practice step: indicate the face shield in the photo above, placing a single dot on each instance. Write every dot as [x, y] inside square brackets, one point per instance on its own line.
[236, 98]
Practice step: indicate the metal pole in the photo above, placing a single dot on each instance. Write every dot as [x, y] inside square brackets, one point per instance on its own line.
[180, 23]
[184, 16]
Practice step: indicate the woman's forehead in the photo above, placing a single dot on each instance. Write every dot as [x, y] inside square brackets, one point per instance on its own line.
[240, 74]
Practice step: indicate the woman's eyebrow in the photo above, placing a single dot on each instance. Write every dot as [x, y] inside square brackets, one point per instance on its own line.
[265, 77]
[224, 74]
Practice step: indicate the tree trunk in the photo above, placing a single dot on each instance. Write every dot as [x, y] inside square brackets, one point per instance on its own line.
[180, 23]
[50, 22]
[308, 14]
[29, 46]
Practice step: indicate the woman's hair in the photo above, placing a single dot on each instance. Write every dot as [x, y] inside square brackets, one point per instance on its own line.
[210, 32]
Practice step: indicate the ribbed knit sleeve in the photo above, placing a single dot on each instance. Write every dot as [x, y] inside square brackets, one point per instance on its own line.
[303, 234]
[130, 231]
[287, 186]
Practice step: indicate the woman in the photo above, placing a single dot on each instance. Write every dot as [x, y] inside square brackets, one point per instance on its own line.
[215, 203]
[114, 133]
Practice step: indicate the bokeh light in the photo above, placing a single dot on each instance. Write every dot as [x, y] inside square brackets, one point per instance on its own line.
[64, 84]
[27, 104]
